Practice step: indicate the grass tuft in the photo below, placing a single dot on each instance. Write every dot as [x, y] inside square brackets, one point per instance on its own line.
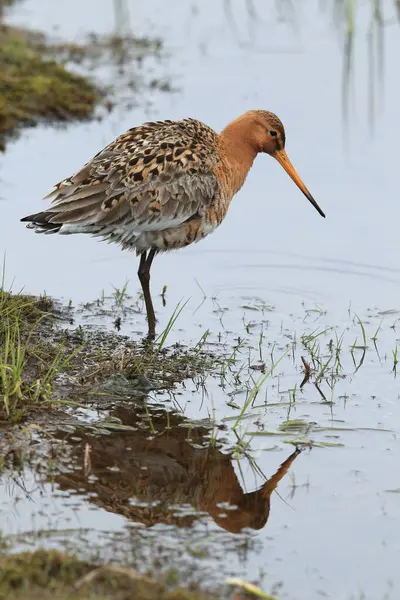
[41, 363]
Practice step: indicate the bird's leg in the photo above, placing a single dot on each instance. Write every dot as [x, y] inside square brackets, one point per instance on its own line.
[144, 277]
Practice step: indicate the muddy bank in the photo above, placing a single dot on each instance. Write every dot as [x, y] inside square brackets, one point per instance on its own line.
[35, 86]
[46, 361]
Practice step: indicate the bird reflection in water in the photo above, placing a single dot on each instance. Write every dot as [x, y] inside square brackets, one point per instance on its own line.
[147, 478]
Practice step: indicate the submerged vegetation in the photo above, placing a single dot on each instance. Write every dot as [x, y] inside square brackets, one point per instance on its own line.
[45, 358]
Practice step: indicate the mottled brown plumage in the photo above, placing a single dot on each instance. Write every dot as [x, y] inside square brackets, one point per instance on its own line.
[163, 185]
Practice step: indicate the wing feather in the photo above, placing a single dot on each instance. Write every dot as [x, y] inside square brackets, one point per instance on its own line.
[162, 171]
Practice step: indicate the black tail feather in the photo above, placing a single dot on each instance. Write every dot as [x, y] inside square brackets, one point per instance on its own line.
[40, 221]
[41, 218]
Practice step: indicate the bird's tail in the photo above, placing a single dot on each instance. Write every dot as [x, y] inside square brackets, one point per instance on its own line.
[42, 222]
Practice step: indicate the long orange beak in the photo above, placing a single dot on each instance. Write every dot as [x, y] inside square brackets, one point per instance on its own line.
[283, 160]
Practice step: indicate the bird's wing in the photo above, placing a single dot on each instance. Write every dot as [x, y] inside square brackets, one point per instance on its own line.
[154, 176]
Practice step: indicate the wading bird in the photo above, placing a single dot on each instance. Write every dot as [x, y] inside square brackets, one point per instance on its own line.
[163, 185]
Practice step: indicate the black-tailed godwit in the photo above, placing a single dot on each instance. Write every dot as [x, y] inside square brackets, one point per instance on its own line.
[163, 185]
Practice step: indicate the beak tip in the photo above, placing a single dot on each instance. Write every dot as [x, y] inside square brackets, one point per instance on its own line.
[316, 206]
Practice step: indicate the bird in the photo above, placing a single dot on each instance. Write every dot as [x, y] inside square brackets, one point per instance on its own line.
[163, 185]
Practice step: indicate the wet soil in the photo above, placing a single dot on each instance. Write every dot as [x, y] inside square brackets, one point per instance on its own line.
[46, 359]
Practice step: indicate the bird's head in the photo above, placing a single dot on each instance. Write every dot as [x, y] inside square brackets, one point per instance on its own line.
[267, 134]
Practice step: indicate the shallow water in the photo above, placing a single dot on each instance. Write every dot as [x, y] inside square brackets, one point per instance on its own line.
[337, 534]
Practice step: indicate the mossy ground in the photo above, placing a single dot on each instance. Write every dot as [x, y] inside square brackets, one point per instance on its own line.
[43, 575]
[34, 86]
[37, 85]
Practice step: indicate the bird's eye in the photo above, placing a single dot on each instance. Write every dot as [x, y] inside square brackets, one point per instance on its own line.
[273, 133]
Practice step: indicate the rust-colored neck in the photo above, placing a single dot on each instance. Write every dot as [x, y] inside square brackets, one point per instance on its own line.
[238, 151]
